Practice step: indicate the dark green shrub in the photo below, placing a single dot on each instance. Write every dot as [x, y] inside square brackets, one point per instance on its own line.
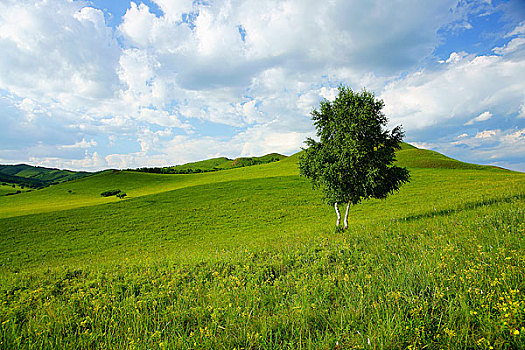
[110, 193]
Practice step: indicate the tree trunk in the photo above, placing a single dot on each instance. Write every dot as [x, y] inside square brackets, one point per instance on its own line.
[346, 215]
[338, 215]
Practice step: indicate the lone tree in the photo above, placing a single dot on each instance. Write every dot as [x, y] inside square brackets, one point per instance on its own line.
[353, 159]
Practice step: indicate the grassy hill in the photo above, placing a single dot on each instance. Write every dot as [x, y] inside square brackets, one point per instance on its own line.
[226, 163]
[422, 158]
[247, 257]
[36, 177]
[215, 164]
[10, 189]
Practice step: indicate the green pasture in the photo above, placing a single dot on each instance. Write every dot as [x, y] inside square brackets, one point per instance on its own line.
[45, 175]
[11, 188]
[222, 163]
[86, 191]
[248, 258]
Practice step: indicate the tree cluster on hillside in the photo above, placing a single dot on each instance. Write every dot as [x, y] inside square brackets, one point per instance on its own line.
[115, 192]
[22, 181]
[231, 163]
[158, 170]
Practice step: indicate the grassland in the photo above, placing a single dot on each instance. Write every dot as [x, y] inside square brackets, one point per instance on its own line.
[214, 164]
[222, 163]
[9, 189]
[248, 258]
[37, 177]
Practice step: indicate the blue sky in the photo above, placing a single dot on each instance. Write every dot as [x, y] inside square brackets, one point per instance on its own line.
[123, 84]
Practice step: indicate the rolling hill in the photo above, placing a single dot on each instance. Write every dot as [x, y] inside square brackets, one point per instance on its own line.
[215, 164]
[86, 192]
[37, 177]
[247, 257]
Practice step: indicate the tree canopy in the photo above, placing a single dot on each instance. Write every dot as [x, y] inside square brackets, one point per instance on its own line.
[353, 159]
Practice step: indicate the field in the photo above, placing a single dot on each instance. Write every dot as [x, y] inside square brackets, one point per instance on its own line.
[248, 258]
[36, 177]
[225, 163]
[8, 189]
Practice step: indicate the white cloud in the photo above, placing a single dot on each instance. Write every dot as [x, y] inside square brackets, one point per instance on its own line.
[161, 118]
[490, 147]
[463, 87]
[519, 30]
[486, 134]
[80, 144]
[56, 51]
[522, 111]
[138, 71]
[512, 46]
[173, 9]
[258, 67]
[251, 112]
[456, 57]
[495, 144]
[422, 145]
[268, 138]
[138, 24]
[328, 93]
[482, 117]
[28, 105]
[90, 162]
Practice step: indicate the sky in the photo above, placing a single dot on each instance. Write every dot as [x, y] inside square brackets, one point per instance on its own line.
[90, 85]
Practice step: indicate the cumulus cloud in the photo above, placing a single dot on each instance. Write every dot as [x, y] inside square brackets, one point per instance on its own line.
[519, 30]
[522, 111]
[482, 117]
[257, 67]
[466, 89]
[488, 145]
[56, 51]
[80, 144]
[512, 46]
[297, 39]
[462, 87]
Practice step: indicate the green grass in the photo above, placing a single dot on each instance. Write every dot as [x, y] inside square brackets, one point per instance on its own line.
[208, 164]
[38, 175]
[11, 188]
[248, 258]
[422, 158]
[86, 191]
[226, 163]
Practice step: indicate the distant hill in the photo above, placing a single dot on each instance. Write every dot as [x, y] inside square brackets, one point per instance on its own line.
[37, 177]
[413, 157]
[215, 164]
[29, 176]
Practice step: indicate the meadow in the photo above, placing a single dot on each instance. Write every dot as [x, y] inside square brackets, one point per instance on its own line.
[10, 189]
[37, 177]
[248, 258]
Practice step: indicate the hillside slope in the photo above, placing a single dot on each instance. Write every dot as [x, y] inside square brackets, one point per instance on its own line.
[214, 164]
[248, 258]
[216, 202]
[412, 157]
[86, 191]
[34, 176]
